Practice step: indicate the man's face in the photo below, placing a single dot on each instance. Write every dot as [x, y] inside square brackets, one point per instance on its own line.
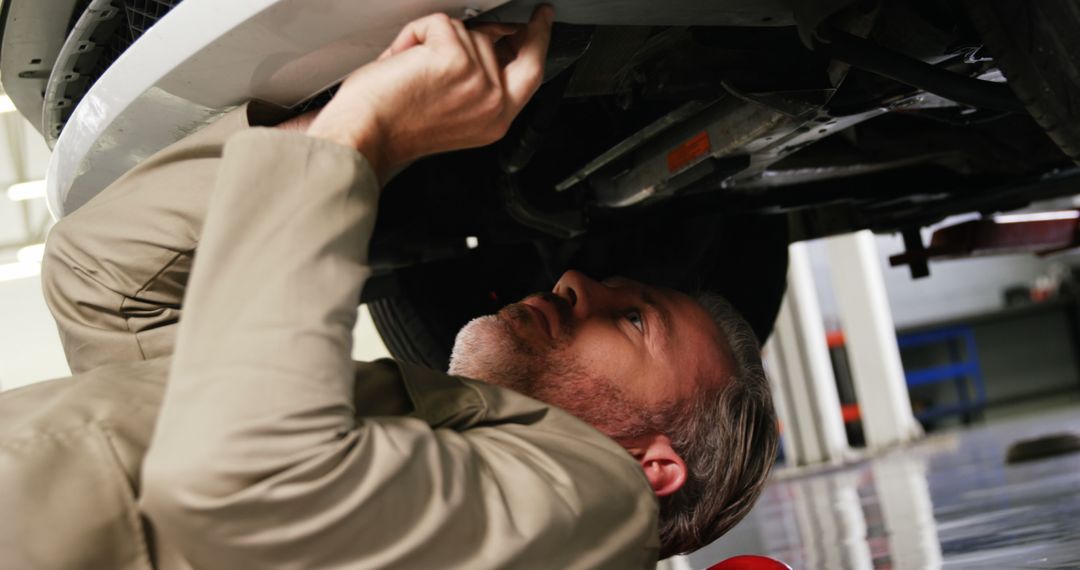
[618, 354]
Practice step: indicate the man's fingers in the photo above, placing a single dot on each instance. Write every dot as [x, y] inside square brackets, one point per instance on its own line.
[497, 34]
[495, 31]
[526, 71]
[405, 39]
[539, 23]
[466, 40]
[485, 48]
[433, 28]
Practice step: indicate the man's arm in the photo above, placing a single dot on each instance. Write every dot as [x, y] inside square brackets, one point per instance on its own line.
[259, 460]
[115, 270]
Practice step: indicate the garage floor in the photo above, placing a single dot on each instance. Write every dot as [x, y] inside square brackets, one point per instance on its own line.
[948, 501]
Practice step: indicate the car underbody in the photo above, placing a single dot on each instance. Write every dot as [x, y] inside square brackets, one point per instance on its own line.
[684, 142]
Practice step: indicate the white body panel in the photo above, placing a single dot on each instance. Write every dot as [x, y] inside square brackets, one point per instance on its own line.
[207, 56]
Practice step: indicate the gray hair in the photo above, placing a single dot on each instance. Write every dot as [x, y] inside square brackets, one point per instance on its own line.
[728, 438]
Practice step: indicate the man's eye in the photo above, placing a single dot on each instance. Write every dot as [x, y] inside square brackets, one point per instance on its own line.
[635, 319]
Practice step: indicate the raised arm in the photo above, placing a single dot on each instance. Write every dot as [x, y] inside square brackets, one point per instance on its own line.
[259, 459]
[115, 270]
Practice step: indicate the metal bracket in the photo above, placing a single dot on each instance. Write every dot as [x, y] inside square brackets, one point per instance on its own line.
[919, 265]
[562, 225]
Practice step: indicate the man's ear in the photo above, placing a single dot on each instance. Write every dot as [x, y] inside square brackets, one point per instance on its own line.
[663, 467]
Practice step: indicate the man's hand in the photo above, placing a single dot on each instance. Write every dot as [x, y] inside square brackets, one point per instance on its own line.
[438, 87]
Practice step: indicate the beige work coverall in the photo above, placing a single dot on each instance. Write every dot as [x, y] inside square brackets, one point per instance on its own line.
[272, 449]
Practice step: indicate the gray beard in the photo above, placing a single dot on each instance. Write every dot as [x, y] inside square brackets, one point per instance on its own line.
[488, 349]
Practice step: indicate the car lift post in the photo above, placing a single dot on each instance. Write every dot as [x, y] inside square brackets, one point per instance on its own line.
[801, 373]
[873, 354]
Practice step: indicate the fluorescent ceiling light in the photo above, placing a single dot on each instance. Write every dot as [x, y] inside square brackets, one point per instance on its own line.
[6, 105]
[29, 263]
[26, 190]
[20, 270]
[1038, 217]
[31, 253]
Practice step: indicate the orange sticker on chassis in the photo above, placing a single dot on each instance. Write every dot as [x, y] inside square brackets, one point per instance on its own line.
[689, 152]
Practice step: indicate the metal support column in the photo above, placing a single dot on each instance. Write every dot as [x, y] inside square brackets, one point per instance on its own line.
[801, 373]
[872, 351]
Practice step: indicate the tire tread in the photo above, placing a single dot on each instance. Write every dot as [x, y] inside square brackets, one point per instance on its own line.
[404, 333]
[1037, 46]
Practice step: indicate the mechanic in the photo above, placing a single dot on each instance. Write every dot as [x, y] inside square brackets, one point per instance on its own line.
[273, 449]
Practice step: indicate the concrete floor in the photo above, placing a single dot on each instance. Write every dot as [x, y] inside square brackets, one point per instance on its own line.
[948, 501]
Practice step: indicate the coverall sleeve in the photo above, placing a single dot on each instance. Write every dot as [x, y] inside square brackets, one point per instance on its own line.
[259, 459]
[115, 270]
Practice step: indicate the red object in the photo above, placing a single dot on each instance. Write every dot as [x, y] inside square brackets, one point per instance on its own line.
[835, 338]
[750, 562]
[689, 152]
[1041, 233]
[850, 412]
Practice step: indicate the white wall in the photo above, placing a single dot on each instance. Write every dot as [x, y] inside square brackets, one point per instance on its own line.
[954, 288]
[29, 344]
[23, 156]
[366, 342]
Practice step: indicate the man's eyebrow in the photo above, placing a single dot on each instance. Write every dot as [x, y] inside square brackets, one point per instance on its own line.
[662, 315]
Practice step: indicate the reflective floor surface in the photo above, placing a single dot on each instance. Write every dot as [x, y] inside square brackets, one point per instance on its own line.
[949, 501]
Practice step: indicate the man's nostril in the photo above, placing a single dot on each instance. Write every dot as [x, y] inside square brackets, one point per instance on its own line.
[573, 296]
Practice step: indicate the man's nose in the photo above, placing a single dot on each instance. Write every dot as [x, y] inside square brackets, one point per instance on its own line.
[584, 293]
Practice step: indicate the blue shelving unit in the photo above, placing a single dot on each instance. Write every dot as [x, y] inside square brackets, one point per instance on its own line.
[963, 370]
